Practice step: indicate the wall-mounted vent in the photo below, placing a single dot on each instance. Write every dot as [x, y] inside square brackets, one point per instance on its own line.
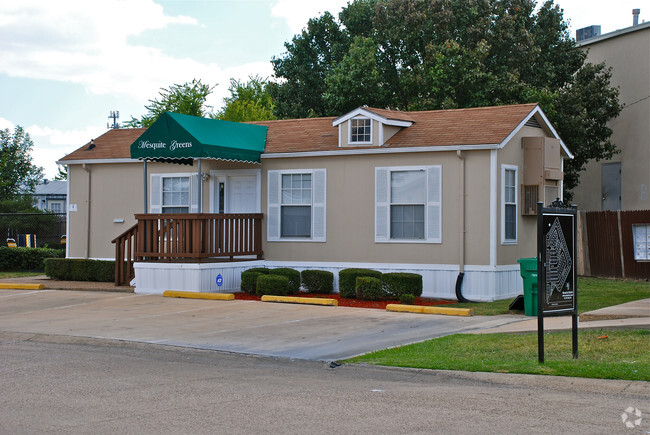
[532, 122]
[530, 194]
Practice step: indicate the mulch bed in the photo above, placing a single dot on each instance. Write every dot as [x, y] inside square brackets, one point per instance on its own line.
[344, 302]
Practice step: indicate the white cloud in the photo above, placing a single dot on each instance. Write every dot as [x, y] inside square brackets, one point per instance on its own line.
[51, 144]
[86, 42]
[6, 124]
[297, 12]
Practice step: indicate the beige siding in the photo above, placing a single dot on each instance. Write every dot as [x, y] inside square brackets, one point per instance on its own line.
[629, 56]
[351, 211]
[115, 193]
[526, 246]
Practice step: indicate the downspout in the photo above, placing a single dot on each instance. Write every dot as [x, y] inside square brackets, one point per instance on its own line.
[199, 193]
[146, 188]
[461, 226]
[88, 201]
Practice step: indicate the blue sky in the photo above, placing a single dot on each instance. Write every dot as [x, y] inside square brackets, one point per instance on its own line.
[65, 64]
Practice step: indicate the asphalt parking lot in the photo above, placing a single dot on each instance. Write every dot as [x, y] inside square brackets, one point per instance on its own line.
[247, 327]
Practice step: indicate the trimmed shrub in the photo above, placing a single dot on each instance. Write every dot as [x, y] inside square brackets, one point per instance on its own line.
[407, 299]
[249, 281]
[348, 280]
[369, 288]
[292, 275]
[317, 281]
[277, 285]
[26, 258]
[398, 284]
[249, 278]
[67, 269]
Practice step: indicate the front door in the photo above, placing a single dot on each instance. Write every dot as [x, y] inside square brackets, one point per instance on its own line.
[236, 193]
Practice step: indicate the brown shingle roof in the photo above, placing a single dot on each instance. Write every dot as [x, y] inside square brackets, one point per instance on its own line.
[114, 144]
[475, 126]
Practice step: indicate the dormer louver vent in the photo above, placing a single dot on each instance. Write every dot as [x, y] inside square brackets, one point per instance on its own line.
[532, 122]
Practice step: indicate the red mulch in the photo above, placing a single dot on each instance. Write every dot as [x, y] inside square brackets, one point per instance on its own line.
[343, 302]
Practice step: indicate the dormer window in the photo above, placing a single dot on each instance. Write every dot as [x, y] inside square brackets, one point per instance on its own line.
[360, 131]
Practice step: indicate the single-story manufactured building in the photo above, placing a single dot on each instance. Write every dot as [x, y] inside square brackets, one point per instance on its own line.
[191, 202]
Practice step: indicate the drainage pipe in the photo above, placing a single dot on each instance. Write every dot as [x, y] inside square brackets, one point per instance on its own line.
[461, 226]
[88, 202]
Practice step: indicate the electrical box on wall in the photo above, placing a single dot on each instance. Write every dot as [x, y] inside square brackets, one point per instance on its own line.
[542, 172]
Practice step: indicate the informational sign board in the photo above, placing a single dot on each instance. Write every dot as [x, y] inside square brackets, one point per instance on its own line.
[558, 260]
[556, 269]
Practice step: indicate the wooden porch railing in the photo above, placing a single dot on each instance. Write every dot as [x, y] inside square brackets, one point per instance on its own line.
[187, 237]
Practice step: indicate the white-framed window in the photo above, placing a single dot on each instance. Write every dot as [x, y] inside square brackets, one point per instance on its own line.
[56, 206]
[641, 237]
[408, 204]
[361, 131]
[509, 204]
[296, 205]
[173, 193]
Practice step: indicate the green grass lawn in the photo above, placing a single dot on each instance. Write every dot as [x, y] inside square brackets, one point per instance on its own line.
[622, 355]
[19, 274]
[593, 293]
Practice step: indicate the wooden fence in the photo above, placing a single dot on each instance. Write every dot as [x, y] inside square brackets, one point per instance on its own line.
[606, 244]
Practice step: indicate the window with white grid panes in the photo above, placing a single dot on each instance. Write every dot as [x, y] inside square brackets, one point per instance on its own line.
[175, 194]
[295, 212]
[361, 130]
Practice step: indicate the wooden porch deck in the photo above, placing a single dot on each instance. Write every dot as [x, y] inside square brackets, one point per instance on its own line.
[191, 237]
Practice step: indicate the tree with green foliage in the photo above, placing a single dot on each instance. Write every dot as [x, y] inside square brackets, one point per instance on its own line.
[62, 174]
[18, 175]
[250, 101]
[310, 57]
[445, 54]
[188, 99]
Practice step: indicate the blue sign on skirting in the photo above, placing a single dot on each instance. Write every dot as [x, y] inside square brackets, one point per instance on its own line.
[219, 280]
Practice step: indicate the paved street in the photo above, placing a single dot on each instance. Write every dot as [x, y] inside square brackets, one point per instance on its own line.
[58, 384]
[285, 330]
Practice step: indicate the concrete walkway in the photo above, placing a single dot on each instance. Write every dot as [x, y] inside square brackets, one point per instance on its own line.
[635, 314]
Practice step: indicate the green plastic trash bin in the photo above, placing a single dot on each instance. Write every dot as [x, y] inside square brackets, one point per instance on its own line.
[528, 270]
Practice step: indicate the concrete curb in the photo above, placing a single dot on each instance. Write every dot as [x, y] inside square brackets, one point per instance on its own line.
[430, 310]
[199, 295]
[298, 300]
[18, 286]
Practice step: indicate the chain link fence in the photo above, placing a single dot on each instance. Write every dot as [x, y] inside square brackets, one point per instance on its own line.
[35, 230]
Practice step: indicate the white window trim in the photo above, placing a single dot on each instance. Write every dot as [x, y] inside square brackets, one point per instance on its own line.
[350, 142]
[318, 233]
[155, 183]
[379, 202]
[505, 168]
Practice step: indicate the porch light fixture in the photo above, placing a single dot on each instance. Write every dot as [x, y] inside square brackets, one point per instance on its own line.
[205, 176]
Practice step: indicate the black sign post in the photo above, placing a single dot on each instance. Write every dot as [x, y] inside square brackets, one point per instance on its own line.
[556, 267]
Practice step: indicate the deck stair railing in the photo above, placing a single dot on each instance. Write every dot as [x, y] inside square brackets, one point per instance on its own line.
[193, 237]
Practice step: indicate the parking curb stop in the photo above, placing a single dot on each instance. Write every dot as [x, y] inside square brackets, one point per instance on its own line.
[199, 295]
[18, 286]
[447, 311]
[298, 300]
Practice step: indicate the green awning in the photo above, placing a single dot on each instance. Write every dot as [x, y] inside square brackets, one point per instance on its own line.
[183, 138]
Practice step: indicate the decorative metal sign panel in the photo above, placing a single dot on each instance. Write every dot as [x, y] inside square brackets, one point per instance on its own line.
[558, 261]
